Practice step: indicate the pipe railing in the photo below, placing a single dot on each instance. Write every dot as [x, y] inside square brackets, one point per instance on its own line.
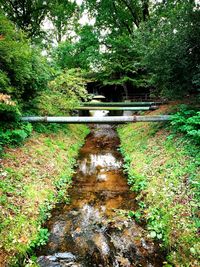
[109, 119]
[120, 104]
[117, 108]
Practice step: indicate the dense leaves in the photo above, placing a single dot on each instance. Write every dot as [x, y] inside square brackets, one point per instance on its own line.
[23, 71]
[64, 94]
[187, 121]
[171, 51]
[168, 50]
[15, 132]
[124, 47]
[164, 171]
[84, 53]
[121, 64]
[157, 41]
[27, 15]
[63, 15]
[119, 16]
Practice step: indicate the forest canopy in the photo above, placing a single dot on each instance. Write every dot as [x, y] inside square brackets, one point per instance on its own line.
[127, 44]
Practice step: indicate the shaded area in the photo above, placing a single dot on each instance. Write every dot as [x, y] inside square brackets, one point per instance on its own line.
[92, 230]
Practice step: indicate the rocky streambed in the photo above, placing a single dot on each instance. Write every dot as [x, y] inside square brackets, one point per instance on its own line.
[94, 230]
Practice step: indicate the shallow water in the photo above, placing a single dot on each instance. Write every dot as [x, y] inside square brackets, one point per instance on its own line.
[92, 230]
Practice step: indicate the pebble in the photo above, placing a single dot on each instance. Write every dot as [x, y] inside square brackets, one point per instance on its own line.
[44, 261]
[65, 256]
[52, 258]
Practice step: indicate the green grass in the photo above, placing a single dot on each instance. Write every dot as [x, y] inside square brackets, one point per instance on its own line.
[34, 177]
[164, 170]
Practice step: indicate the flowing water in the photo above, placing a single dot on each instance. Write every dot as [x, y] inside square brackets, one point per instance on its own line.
[94, 229]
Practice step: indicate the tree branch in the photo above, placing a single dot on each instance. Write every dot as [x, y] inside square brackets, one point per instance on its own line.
[135, 19]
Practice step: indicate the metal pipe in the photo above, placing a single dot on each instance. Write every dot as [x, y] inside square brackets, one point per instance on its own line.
[120, 104]
[111, 119]
[118, 108]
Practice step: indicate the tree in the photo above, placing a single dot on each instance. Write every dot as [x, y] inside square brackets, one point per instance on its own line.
[123, 65]
[63, 15]
[27, 15]
[122, 16]
[84, 53]
[140, 53]
[30, 15]
[64, 93]
[23, 71]
[121, 59]
[171, 51]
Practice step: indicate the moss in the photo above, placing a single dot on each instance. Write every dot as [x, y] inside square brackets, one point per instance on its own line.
[34, 178]
[165, 173]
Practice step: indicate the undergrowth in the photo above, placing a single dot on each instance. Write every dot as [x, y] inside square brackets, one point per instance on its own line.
[162, 164]
[12, 131]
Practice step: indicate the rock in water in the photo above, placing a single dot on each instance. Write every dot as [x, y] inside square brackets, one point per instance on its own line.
[44, 261]
[67, 256]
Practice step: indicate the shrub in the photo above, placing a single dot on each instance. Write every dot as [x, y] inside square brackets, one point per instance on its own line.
[12, 131]
[23, 71]
[63, 95]
[8, 109]
[187, 121]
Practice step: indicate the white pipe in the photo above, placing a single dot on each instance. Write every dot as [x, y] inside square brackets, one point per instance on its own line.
[109, 119]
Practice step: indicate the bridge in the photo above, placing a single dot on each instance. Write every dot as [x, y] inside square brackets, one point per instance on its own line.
[111, 106]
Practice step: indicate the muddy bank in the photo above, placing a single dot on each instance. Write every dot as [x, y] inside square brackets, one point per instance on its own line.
[93, 230]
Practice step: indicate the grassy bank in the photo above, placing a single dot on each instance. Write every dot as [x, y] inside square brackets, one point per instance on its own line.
[164, 170]
[33, 178]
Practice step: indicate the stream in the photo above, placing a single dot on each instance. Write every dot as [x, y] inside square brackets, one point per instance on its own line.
[94, 230]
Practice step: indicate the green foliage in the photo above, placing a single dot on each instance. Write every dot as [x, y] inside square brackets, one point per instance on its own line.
[157, 225]
[126, 15]
[187, 121]
[50, 127]
[64, 55]
[62, 14]
[126, 50]
[27, 15]
[12, 131]
[120, 59]
[8, 109]
[171, 51]
[13, 137]
[31, 16]
[138, 53]
[87, 49]
[23, 71]
[60, 184]
[122, 64]
[137, 181]
[84, 53]
[135, 214]
[41, 239]
[64, 94]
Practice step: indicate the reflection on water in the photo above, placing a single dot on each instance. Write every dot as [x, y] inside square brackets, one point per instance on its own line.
[99, 163]
[91, 230]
